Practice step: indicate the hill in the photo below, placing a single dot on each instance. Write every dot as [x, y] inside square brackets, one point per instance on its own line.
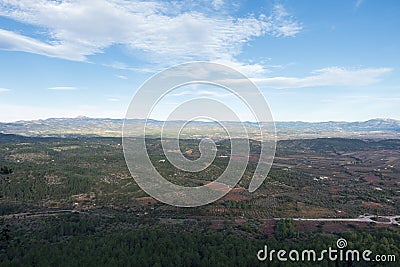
[84, 126]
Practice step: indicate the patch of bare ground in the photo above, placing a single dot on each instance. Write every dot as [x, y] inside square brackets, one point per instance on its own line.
[83, 197]
[235, 196]
[64, 148]
[268, 228]
[217, 225]
[217, 186]
[310, 211]
[18, 157]
[380, 219]
[308, 226]
[53, 179]
[372, 205]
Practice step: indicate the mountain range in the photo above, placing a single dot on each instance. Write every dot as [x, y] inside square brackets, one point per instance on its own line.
[84, 126]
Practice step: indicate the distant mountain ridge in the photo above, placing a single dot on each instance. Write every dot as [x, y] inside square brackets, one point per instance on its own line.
[384, 128]
[370, 125]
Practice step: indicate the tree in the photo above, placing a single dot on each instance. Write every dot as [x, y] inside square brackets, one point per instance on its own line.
[5, 170]
[285, 228]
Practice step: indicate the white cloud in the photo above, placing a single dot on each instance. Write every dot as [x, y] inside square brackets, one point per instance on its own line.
[63, 88]
[113, 99]
[2, 90]
[217, 4]
[284, 24]
[331, 76]
[123, 66]
[78, 29]
[253, 69]
[16, 42]
[122, 77]
[202, 93]
[372, 99]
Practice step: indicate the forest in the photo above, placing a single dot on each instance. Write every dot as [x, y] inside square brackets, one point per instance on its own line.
[72, 202]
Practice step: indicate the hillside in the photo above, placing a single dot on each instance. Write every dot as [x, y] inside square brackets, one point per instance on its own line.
[84, 126]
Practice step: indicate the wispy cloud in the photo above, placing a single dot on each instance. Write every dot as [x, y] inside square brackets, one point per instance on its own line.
[113, 99]
[63, 88]
[2, 90]
[123, 66]
[358, 4]
[202, 93]
[217, 4]
[284, 24]
[372, 99]
[331, 76]
[161, 31]
[15, 42]
[122, 77]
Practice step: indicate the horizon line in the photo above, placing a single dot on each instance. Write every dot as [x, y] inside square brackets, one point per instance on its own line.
[106, 118]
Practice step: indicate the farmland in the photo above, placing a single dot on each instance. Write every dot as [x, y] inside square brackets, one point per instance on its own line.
[80, 187]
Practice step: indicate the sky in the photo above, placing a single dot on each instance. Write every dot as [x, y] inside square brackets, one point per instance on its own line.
[335, 60]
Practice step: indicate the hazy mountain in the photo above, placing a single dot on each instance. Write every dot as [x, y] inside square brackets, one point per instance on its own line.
[375, 128]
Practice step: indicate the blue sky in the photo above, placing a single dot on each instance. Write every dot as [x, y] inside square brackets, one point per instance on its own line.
[313, 60]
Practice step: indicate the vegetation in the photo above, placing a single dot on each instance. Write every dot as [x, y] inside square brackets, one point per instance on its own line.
[72, 202]
[5, 170]
[81, 240]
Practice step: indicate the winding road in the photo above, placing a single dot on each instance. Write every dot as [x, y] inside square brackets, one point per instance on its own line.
[391, 220]
[388, 220]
